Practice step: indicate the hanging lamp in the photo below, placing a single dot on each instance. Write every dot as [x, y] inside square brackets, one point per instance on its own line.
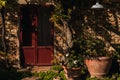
[97, 5]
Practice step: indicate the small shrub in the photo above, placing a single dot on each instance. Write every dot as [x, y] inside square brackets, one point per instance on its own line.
[57, 68]
[55, 73]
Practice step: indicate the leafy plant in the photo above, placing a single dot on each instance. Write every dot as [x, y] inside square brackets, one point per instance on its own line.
[57, 68]
[95, 47]
[74, 59]
[92, 46]
[56, 73]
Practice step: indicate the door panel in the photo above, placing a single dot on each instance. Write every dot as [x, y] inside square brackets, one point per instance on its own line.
[44, 37]
[29, 55]
[27, 36]
[44, 27]
[36, 38]
[44, 54]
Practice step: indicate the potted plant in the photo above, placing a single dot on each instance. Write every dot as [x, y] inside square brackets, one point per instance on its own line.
[97, 58]
[74, 63]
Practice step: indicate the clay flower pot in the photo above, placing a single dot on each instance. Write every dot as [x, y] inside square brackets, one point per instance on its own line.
[98, 67]
[72, 72]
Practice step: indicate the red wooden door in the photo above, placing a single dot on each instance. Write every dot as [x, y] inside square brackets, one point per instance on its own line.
[36, 35]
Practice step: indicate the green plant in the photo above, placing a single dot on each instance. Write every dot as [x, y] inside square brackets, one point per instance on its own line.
[57, 68]
[95, 47]
[49, 75]
[55, 73]
[92, 46]
[74, 59]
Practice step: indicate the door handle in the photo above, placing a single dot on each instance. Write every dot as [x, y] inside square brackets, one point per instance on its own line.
[36, 29]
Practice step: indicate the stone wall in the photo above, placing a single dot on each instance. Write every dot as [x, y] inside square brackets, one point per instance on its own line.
[108, 28]
[103, 23]
[62, 42]
[1, 25]
[12, 35]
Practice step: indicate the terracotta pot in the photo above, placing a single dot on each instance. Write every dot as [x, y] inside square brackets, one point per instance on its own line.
[99, 67]
[72, 72]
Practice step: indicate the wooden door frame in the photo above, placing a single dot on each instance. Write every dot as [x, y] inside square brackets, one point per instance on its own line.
[36, 53]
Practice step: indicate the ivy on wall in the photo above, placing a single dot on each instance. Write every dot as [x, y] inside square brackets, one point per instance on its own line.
[69, 18]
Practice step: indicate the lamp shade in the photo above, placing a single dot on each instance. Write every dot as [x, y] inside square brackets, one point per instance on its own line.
[97, 6]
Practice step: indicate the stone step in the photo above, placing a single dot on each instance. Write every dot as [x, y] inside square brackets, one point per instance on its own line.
[40, 68]
[35, 69]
